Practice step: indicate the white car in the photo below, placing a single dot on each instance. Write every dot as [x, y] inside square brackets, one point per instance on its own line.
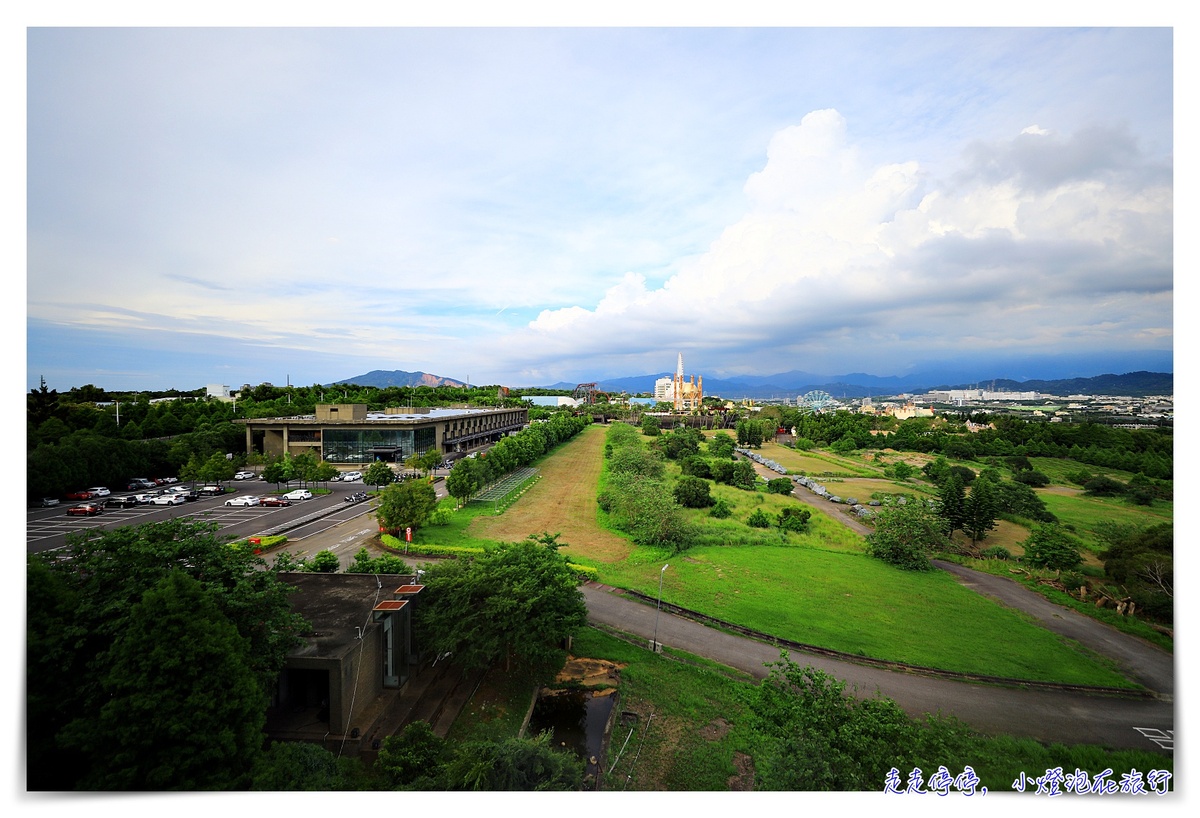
[169, 499]
[245, 475]
[247, 500]
[298, 494]
[351, 475]
[100, 491]
[144, 498]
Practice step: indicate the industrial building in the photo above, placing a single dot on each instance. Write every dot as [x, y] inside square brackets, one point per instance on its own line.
[350, 434]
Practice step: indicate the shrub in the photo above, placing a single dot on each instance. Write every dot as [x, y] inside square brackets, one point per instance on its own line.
[1032, 478]
[780, 485]
[996, 552]
[693, 492]
[1050, 546]
[794, 518]
[758, 519]
[720, 509]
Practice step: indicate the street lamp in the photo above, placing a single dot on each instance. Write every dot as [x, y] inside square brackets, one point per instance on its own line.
[654, 646]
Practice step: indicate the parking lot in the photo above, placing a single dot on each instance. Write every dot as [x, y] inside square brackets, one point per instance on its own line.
[46, 529]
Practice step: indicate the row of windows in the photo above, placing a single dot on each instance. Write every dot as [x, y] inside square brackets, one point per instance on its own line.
[368, 445]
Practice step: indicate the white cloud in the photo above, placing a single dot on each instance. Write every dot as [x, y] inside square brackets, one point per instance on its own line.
[833, 252]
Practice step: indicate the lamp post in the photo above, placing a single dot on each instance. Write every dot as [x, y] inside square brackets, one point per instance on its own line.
[654, 646]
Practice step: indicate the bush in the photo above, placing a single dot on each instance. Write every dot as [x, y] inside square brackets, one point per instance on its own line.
[693, 492]
[720, 509]
[1051, 547]
[996, 552]
[1104, 487]
[780, 485]
[758, 519]
[794, 518]
[1032, 478]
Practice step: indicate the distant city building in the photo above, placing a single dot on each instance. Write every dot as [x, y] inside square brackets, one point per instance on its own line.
[217, 390]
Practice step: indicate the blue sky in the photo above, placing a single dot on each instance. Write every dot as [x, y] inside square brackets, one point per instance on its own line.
[523, 205]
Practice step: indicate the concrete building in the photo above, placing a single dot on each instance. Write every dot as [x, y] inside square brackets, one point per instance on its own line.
[349, 434]
[361, 645]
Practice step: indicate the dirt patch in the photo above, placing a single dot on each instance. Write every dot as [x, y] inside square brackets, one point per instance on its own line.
[590, 672]
[562, 502]
[743, 779]
[715, 730]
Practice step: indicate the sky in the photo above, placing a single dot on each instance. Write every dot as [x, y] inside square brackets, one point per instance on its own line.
[531, 204]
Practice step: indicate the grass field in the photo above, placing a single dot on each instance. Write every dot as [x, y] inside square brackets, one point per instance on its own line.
[817, 588]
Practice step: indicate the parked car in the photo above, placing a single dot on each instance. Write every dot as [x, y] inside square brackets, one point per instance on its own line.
[189, 495]
[139, 483]
[145, 497]
[123, 501]
[99, 491]
[48, 502]
[86, 509]
[244, 500]
[170, 498]
[298, 494]
[245, 475]
[274, 501]
[351, 475]
[82, 494]
[210, 491]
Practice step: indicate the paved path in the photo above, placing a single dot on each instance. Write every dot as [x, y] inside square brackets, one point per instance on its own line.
[1046, 715]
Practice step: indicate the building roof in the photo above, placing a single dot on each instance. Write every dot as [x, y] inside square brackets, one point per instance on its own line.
[338, 607]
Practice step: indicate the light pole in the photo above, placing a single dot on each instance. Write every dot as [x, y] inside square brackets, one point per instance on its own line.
[654, 646]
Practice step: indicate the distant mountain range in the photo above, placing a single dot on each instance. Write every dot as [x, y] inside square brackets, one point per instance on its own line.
[397, 377]
[854, 385]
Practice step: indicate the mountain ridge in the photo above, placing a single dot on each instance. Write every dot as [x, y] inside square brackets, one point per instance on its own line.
[853, 385]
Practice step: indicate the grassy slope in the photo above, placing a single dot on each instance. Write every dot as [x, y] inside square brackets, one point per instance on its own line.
[816, 588]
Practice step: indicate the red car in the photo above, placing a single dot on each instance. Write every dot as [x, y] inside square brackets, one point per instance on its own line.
[274, 501]
[86, 509]
[82, 494]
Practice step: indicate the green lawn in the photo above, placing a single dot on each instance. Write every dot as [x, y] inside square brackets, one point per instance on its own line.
[854, 604]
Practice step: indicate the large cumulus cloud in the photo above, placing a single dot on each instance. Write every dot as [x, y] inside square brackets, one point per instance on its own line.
[1040, 242]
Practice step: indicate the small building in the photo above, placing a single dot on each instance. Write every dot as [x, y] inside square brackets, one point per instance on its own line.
[360, 646]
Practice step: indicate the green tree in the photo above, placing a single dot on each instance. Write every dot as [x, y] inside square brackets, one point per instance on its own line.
[413, 760]
[516, 601]
[693, 492]
[979, 510]
[183, 706]
[905, 535]
[780, 485]
[794, 518]
[406, 505]
[952, 499]
[651, 426]
[379, 474]
[364, 563]
[296, 766]
[810, 734]
[513, 765]
[323, 562]
[465, 479]
[1050, 546]
[721, 445]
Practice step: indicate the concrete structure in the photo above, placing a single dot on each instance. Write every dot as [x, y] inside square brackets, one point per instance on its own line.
[361, 644]
[349, 434]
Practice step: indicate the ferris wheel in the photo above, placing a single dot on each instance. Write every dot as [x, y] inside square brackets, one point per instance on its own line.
[815, 400]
